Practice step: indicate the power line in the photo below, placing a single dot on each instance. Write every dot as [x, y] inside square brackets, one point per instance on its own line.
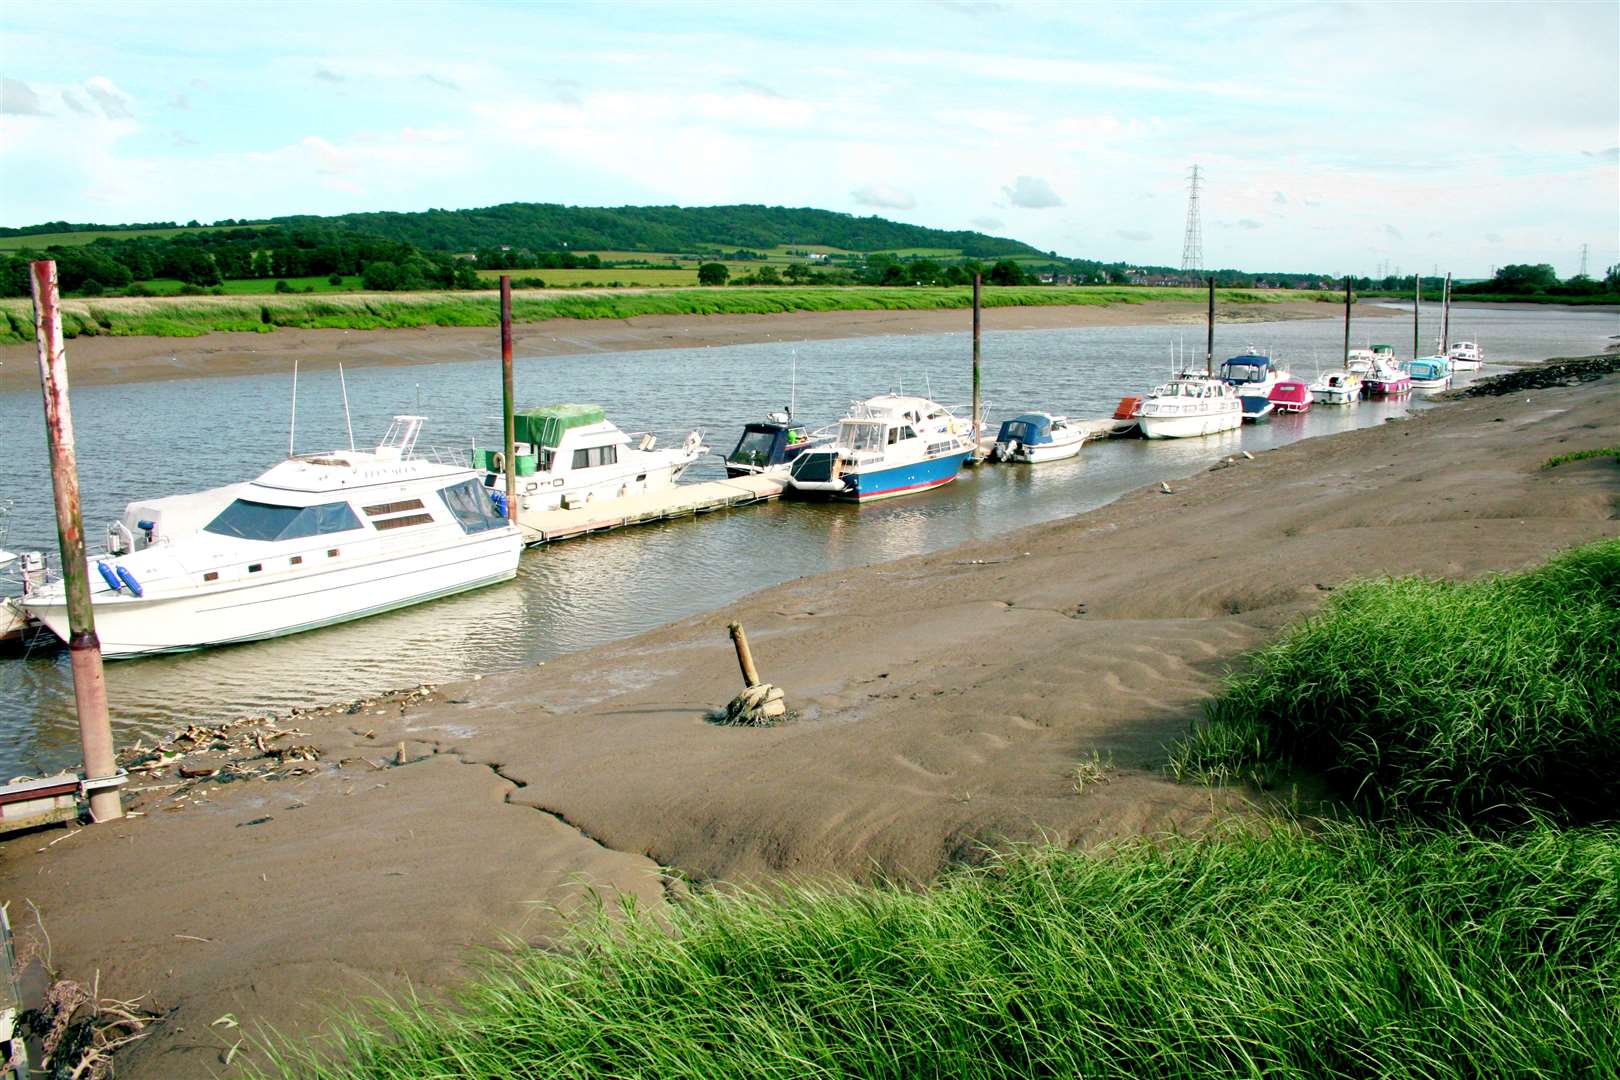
[1192, 244]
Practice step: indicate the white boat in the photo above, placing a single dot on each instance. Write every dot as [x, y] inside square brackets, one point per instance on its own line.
[1429, 372]
[570, 455]
[316, 540]
[1036, 437]
[1189, 406]
[1336, 388]
[1465, 356]
[888, 445]
[1361, 362]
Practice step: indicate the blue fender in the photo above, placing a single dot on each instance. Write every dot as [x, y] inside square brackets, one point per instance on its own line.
[112, 578]
[129, 579]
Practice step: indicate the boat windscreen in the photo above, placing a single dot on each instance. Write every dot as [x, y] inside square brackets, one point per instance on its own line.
[248, 520]
[861, 434]
[471, 506]
[754, 448]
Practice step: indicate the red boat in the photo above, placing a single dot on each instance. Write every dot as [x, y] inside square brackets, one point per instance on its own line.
[1291, 395]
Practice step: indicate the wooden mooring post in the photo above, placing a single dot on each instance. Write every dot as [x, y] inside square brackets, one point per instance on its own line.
[978, 436]
[84, 648]
[1209, 343]
[1347, 281]
[507, 419]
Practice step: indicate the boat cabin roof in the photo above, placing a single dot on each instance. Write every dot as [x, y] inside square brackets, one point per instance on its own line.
[1037, 426]
[547, 424]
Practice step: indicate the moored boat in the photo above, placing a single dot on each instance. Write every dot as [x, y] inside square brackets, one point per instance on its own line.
[887, 446]
[771, 445]
[1386, 379]
[1336, 388]
[1036, 437]
[1429, 373]
[570, 455]
[1191, 406]
[1291, 396]
[317, 539]
[1465, 356]
[1253, 375]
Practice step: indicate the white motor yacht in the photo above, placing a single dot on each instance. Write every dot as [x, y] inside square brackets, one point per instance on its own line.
[570, 455]
[1465, 356]
[1336, 388]
[317, 539]
[888, 445]
[1189, 406]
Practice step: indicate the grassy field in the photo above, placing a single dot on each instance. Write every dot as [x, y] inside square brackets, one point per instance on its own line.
[1346, 953]
[41, 241]
[194, 316]
[260, 287]
[1480, 699]
[633, 276]
[1497, 298]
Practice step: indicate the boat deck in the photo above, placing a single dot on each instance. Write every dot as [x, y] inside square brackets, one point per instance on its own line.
[681, 500]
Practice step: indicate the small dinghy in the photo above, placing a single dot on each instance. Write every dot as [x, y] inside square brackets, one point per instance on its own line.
[1337, 388]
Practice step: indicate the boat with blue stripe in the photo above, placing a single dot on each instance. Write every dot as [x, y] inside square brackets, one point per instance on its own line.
[887, 446]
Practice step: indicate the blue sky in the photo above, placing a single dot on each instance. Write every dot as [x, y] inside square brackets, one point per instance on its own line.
[1321, 127]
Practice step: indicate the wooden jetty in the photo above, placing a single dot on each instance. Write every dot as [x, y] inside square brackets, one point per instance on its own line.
[681, 500]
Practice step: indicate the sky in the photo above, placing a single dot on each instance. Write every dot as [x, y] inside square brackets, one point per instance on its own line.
[1332, 137]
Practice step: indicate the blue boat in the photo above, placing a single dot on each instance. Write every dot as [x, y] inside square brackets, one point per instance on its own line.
[1254, 376]
[1429, 372]
[887, 446]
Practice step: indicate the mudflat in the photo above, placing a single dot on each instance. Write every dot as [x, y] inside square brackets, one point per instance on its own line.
[942, 705]
[93, 360]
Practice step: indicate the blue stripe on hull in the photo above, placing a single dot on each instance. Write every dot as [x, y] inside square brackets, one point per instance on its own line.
[903, 479]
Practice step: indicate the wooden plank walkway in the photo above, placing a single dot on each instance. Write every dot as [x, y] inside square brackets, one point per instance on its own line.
[682, 500]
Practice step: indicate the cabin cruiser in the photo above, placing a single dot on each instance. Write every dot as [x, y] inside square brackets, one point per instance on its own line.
[1429, 373]
[1036, 437]
[888, 445]
[1385, 379]
[1465, 356]
[570, 455]
[1190, 406]
[772, 445]
[1360, 362]
[1253, 376]
[1337, 388]
[317, 539]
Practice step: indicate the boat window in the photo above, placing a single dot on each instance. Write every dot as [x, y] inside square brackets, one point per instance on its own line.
[250, 520]
[403, 522]
[470, 505]
[393, 507]
[908, 432]
[754, 448]
[861, 434]
[591, 457]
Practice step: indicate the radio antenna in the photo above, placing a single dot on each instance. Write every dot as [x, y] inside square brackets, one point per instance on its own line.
[292, 420]
[346, 422]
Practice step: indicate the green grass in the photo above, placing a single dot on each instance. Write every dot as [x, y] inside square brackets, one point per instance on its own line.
[1352, 953]
[260, 286]
[41, 241]
[1494, 698]
[1581, 455]
[1498, 298]
[194, 316]
[634, 276]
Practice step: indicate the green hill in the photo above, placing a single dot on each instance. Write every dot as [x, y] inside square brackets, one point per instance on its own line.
[551, 227]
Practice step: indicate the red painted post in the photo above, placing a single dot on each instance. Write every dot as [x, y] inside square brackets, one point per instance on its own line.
[84, 648]
[506, 397]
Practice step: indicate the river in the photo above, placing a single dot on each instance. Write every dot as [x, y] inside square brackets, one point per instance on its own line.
[149, 439]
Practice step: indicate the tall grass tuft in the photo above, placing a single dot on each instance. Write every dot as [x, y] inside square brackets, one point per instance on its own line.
[1351, 953]
[1497, 698]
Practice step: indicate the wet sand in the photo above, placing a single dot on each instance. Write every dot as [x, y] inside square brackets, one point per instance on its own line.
[142, 359]
[943, 702]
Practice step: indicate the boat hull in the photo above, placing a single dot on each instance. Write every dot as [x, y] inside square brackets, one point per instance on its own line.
[1465, 365]
[1335, 397]
[1043, 452]
[1387, 387]
[1187, 427]
[1431, 384]
[896, 480]
[131, 626]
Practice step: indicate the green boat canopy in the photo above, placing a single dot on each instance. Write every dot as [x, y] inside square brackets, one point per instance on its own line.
[546, 425]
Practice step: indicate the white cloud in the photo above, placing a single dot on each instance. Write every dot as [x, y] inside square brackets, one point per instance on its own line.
[72, 101]
[113, 101]
[1032, 193]
[1393, 233]
[1134, 235]
[884, 196]
[326, 74]
[987, 222]
[17, 98]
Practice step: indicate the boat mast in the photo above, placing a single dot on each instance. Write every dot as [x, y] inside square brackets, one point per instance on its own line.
[1445, 320]
[346, 421]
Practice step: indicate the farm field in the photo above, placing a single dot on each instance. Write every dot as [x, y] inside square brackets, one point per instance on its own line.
[40, 241]
[260, 286]
[640, 276]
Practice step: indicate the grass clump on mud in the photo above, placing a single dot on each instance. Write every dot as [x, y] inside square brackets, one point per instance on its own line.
[1350, 953]
[1490, 699]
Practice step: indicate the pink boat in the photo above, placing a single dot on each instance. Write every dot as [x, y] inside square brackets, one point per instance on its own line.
[1291, 395]
[1383, 377]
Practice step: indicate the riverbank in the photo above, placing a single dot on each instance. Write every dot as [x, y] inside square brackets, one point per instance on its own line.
[120, 359]
[944, 703]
